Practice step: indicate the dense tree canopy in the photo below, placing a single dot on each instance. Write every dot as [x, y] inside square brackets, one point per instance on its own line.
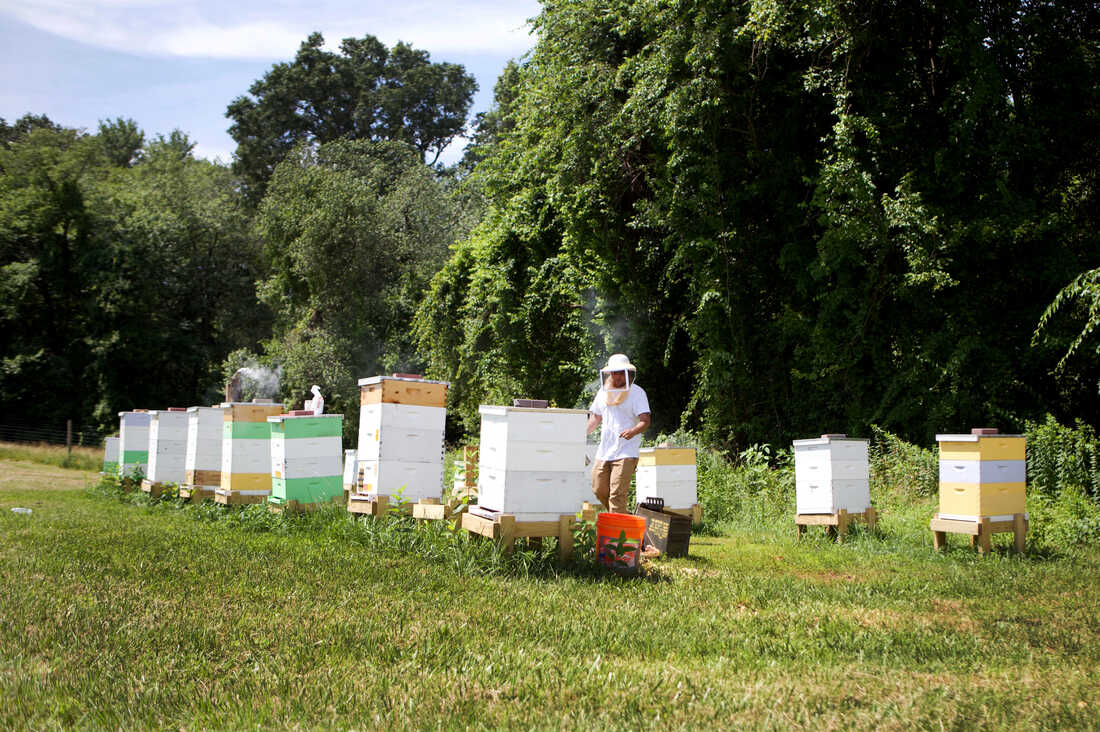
[364, 92]
[796, 218]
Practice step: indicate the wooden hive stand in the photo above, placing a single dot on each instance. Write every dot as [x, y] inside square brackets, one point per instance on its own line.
[433, 509]
[980, 532]
[293, 506]
[237, 498]
[195, 493]
[505, 529]
[837, 522]
[377, 506]
[153, 489]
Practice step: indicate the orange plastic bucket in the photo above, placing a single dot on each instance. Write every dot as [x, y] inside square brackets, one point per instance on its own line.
[619, 541]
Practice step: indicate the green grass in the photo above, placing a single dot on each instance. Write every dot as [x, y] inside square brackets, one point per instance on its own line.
[124, 615]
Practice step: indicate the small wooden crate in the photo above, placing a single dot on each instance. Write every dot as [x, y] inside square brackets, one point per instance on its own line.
[836, 522]
[695, 513]
[980, 532]
[378, 506]
[669, 532]
[433, 509]
[504, 528]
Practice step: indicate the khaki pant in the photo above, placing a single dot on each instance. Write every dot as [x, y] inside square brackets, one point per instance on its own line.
[611, 482]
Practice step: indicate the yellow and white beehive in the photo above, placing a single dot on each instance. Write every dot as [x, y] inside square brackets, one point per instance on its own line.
[531, 462]
[202, 466]
[133, 443]
[167, 445]
[246, 452]
[832, 472]
[402, 421]
[982, 475]
[667, 473]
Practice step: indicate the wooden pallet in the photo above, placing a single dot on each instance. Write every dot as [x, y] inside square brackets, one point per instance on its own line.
[237, 499]
[504, 529]
[980, 532]
[196, 493]
[297, 507]
[433, 509]
[379, 506]
[835, 522]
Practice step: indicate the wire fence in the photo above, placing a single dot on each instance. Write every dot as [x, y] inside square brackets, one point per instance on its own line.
[51, 434]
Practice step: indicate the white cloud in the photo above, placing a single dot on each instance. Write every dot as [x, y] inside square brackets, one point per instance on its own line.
[212, 153]
[268, 30]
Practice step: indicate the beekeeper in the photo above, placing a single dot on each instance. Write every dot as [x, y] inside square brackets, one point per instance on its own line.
[622, 407]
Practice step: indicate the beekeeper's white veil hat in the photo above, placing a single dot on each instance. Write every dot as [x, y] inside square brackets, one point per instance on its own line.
[617, 362]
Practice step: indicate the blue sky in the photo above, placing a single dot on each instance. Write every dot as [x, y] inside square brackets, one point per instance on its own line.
[179, 64]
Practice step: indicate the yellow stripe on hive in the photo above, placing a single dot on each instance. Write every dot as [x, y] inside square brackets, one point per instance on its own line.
[1000, 448]
[668, 456]
[246, 481]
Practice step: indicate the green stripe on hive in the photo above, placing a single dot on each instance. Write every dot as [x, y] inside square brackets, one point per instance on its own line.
[307, 490]
[305, 427]
[135, 456]
[246, 431]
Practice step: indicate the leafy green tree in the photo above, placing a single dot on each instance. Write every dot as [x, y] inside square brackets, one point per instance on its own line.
[364, 92]
[352, 233]
[122, 141]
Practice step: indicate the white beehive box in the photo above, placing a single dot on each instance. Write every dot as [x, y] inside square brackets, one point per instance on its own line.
[667, 473]
[110, 455]
[133, 443]
[832, 472]
[351, 469]
[167, 445]
[202, 464]
[532, 461]
[402, 421]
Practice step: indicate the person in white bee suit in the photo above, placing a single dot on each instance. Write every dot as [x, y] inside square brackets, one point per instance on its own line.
[622, 407]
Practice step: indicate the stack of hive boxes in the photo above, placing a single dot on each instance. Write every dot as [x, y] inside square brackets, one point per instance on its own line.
[667, 473]
[246, 452]
[110, 456]
[532, 462]
[305, 458]
[202, 466]
[133, 443]
[982, 475]
[402, 420]
[167, 446]
[832, 472]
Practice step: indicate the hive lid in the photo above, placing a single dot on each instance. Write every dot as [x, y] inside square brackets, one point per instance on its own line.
[399, 377]
[223, 405]
[664, 446]
[309, 415]
[976, 435]
[827, 439]
[497, 410]
[214, 408]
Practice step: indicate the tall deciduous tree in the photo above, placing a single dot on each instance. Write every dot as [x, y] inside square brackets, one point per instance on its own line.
[364, 92]
[352, 232]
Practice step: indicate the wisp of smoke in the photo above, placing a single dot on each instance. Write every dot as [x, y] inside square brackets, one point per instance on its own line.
[259, 382]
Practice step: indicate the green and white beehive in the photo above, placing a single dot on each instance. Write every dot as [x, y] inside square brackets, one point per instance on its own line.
[306, 461]
[133, 443]
[110, 456]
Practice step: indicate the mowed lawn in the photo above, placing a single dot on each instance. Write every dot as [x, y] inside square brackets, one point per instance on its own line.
[123, 616]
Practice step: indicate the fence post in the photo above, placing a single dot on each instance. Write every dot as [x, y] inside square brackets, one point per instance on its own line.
[69, 437]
